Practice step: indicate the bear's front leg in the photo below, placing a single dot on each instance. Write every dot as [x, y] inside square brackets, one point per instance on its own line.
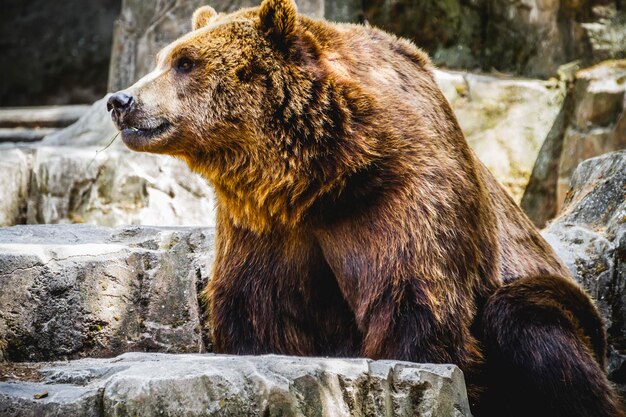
[404, 320]
[273, 293]
[412, 299]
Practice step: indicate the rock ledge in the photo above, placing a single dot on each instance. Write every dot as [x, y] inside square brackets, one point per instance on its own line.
[150, 384]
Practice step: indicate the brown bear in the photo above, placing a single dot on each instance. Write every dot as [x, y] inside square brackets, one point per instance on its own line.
[353, 218]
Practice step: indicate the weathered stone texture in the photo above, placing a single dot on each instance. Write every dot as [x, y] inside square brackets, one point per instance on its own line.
[598, 122]
[115, 188]
[70, 291]
[218, 385]
[590, 236]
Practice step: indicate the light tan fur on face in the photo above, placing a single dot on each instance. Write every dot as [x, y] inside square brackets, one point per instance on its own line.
[154, 93]
[175, 96]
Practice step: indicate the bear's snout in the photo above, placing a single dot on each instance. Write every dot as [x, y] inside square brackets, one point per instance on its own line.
[120, 102]
[140, 129]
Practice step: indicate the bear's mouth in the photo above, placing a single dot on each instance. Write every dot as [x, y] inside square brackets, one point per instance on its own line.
[142, 136]
[148, 130]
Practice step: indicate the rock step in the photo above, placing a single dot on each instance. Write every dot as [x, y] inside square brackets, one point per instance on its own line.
[71, 291]
[150, 384]
[52, 116]
[21, 134]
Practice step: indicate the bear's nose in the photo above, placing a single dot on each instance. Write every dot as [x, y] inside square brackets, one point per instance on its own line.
[119, 101]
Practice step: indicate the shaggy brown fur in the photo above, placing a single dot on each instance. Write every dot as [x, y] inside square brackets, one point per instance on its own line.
[353, 219]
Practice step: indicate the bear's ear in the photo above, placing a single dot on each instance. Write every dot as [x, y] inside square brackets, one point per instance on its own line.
[278, 20]
[202, 17]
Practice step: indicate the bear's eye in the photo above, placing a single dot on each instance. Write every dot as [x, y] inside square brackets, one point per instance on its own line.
[184, 64]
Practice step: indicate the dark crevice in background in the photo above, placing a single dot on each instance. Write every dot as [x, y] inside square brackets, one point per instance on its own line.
[55, 52]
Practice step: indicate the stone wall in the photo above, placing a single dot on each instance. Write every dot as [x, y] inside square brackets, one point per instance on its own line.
[70, 291]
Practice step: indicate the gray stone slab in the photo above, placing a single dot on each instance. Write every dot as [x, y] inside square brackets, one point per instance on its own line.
[69, 291]
[143, 384]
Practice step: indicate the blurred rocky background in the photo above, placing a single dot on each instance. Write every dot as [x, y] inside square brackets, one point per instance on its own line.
[529, 37]
[103, 251]
[55, 52]
[59, 52]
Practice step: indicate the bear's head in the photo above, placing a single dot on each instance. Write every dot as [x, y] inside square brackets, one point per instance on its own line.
[208, 84]
[256, 102]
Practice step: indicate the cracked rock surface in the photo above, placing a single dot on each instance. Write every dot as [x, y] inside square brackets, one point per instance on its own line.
[590, 236]
[149, 384]
[70, 291]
